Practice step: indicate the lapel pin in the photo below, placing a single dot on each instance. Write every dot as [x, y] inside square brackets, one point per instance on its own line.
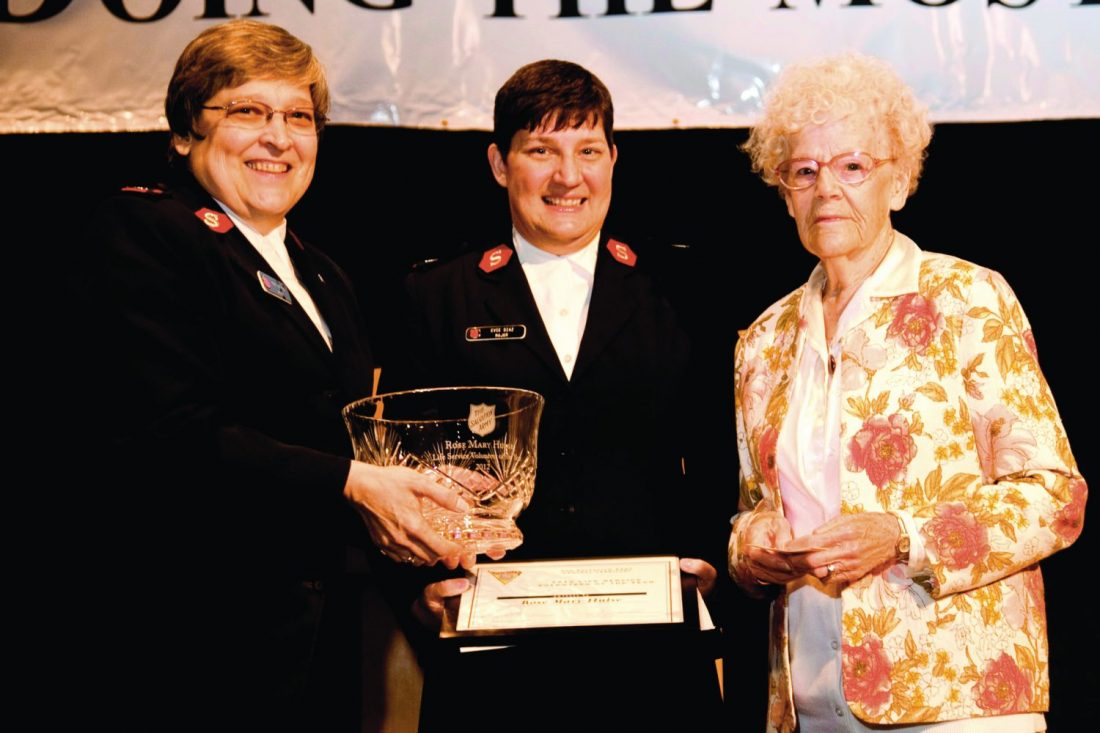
[274, 286]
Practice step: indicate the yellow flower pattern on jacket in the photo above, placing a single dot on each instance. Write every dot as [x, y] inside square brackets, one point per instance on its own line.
[948, 419]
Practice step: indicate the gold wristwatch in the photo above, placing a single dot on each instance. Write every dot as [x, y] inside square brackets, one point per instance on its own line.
[901, 548]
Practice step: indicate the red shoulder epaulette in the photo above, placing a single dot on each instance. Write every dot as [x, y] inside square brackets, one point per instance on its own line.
[495, 258]
[143, 189]
[622, 252]
[217, 220]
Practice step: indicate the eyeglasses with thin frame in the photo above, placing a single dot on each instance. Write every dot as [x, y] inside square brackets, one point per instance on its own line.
[850, 168]
[249, 114]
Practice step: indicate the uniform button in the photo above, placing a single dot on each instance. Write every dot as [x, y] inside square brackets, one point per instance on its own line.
[839, 712]
[567, 358]
[834, 645]
[563, 312]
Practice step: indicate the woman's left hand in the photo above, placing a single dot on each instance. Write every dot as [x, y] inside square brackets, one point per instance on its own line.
[855, 545]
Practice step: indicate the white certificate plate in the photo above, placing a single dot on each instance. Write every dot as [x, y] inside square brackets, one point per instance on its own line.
[571, 593]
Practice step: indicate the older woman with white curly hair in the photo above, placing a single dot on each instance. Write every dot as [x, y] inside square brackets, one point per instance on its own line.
[903, 465]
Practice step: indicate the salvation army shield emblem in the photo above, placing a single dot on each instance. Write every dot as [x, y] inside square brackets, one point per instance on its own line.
[482, 419]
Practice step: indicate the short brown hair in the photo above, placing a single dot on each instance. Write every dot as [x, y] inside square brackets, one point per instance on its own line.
[565, 93]
[231, 54]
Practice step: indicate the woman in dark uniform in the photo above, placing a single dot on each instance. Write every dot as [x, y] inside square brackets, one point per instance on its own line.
[231, 347]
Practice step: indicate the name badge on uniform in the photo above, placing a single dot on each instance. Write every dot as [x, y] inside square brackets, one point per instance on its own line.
[274, 286]
[513, 332]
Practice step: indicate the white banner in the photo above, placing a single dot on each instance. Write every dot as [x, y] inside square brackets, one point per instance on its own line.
[103, 65]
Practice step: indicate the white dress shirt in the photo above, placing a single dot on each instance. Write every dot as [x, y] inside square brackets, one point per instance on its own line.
[808, 457]
[272, 247]
[562, 287]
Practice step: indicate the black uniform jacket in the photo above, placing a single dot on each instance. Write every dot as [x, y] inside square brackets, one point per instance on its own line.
[610, 477]
[226, 451]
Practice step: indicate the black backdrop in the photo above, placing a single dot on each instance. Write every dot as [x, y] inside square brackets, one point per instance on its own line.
[1019, 198]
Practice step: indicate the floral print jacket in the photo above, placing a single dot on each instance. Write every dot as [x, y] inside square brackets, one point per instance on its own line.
[947, 420]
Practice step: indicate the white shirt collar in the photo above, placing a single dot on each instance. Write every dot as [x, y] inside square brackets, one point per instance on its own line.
[275, 240]
[584, 258]
[897, 274]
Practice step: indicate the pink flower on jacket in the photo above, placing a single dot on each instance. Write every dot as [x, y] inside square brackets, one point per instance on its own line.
[957, 536]
[1070, 519]
[867, 674]
[1003, 448]
[915, 323]
[1003, 688]
[882, 447]
[766, 455]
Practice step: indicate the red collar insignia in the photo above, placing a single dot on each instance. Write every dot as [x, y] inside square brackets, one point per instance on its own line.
[622, 252]
[216, 220]
[495, 258]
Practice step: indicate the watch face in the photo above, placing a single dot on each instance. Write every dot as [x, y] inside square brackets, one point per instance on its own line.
[902, 548]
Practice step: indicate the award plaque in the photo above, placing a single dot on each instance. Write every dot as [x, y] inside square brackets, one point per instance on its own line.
[512, 601]
[480, 442]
